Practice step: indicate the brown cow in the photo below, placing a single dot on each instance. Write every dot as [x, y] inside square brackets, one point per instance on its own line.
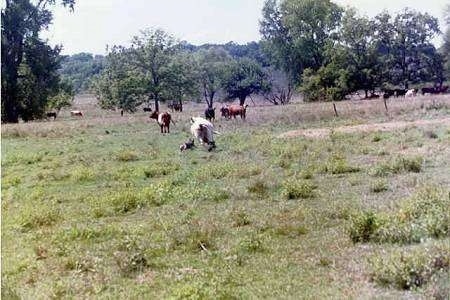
[237, 110]
[163, 120]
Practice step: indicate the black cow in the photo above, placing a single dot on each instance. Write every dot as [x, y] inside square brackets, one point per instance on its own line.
[400, 92]
[210, 114]
[175, 106]
[147, 109]
[388, 93]
[51, 115]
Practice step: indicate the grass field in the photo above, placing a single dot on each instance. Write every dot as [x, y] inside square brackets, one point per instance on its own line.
[107, 207]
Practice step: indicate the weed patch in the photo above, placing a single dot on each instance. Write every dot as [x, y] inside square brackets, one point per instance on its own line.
[298, 189]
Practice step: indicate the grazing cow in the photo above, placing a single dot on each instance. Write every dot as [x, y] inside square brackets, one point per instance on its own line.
[188, 145]
[373, 96]
[237, 110]
[411, 93]
[147, 109]
[175, 106]
[399, 92]
[443, 89]
[203, 131]
[163, 120]
[51, 115]
[76, 113]
[225, 112]
[210, 114]
[429, 90]
[388, 93]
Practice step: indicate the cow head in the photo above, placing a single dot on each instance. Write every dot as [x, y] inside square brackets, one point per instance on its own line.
[154, 115]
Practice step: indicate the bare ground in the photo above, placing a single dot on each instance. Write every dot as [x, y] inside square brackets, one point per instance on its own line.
[389, 126]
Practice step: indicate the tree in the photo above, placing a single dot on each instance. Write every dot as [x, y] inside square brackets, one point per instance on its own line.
[63, 99]
[22, 73]
[360, 52]
[211, 67]
[79, 69]
[404, 43]
[244, 77]
[446, 47]
[151, 69]
[297, 33]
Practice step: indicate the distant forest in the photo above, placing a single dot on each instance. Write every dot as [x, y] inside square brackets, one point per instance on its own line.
[81, 68]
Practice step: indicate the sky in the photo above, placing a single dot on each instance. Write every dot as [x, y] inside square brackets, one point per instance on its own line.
[97, 23]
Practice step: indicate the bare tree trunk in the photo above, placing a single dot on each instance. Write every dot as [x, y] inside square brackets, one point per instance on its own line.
[242, 100]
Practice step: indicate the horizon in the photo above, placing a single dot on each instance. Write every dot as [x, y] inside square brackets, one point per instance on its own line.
[94, 25]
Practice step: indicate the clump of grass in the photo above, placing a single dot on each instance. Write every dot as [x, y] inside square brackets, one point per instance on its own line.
[400, 164]
[252, 243]
[159, 170]
[379, 186]
[11, 181]
[197, 235]
[126, 155]
[215, 171]
[36, 216]
[131, 257]
[126, 201]
[376, 138]
[410, 270]
[290, 230]
[240, 218]
[83, 174]
[338, 165]
[298, 189]
[258, 187]
[425, 215]
[247, 172]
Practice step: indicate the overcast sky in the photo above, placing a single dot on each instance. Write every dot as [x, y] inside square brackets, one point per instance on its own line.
[96, 23]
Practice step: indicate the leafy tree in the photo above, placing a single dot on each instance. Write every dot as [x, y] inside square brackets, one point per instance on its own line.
[28, 63]
[80, 68]
[297, 32]
[404, 42]
[63, 99]
[244, 77]
[446, 47]
[360, 51]
[211, 69]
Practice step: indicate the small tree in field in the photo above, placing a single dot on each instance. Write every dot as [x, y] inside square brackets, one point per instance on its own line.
[244, 77]
[63, 99]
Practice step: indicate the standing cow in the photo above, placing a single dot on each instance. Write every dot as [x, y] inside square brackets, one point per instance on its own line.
[210, 114]
[203, 131]
[163, 120]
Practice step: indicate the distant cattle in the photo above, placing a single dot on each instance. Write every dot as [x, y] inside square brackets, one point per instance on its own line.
[147, 109]
[188, 145]
[76, 113]
[411, 93]
[203, 131]
[51, 115]
[163, 120]
[373, 96]
[225, 112]
[399, 92]
[435, 90]
[210, 114]
[237, 110]
[175, 106]
[443, 89]
[388, 93]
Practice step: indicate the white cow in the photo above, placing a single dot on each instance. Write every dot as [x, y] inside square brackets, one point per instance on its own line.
[411, 93]
[203, 131]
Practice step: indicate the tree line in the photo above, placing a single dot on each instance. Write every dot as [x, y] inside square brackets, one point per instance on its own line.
[316, 47]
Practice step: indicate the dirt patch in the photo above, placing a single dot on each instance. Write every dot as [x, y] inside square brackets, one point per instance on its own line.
[390, 126]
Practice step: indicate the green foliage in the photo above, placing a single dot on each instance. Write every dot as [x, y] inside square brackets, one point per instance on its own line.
[400, 164]
[126, 155]
[422, 216]
[338, 165]
[29, 65]
[295, 189]
[244, 77]
[79, 70]
[379, 186]
[411, 269]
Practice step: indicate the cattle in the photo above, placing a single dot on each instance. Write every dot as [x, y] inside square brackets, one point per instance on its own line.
[188, 145]
[411, 93]
[399, 92]
[163, 120]
[210, 114]
[203, 131]
[175, 106]
[51, 115]
[147, 109]
[225, 112]
[430, 90]
[373, 96]
[237, 110]
[443, 89]
[388, 93]
[76, 113]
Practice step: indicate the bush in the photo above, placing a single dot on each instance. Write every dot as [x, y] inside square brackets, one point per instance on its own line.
[126, 155]
[379, 186]
[38, 216]
[126, 201]
[409, 270]
[399, 165]
[258, 187]
[295, 189]
[425, 215]
[338, 165]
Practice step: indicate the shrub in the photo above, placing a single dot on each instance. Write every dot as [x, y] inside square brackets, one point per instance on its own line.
[409, 270]
[83, 174]
[379, 186]
[363, 226]
[295, 189]
[126, 201]
[126, 155]
[398, 165]
[240, 218]
[252, 243]
[338, 165]
[195, 236]
[38, 216]
[258, 187]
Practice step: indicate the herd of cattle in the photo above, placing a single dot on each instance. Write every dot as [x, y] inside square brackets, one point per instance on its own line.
[387, 93]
